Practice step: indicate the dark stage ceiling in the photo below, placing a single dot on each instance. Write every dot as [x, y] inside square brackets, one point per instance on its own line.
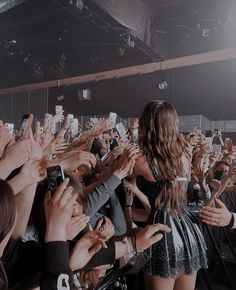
[51, 39]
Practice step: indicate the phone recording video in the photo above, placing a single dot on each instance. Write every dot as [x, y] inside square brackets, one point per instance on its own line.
[24, 123]
[121, 131]
[55, 176]
[10, 128]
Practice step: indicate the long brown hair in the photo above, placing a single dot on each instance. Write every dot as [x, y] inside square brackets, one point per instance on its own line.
[7, 219]
[163, 146]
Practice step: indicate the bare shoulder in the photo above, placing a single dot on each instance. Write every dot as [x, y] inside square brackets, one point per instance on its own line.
[141, 167]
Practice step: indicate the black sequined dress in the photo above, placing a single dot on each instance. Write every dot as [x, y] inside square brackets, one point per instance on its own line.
[183, 250]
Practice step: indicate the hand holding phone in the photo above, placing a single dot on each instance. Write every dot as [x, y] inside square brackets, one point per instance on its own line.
[112, 120]
[26, 124]
[10, 128]
[55, 176]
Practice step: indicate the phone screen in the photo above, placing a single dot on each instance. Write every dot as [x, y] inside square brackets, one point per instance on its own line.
[55, 176]
[112, 120]
[24, 123]
[10, 128]
[121, 131]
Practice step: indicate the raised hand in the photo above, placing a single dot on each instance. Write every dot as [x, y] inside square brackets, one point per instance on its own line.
[101, 126]
[18, 153]
[54, 148]
[33, 171]
[76, 225]
[220, 216]
[106, 226]
[75, 159]
[5, 137]
[59, 117]
[125, 164]
[59, 212]
[91, 243]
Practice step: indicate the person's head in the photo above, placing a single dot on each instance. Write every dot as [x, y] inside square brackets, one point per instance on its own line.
[7, 220]
[7, 213]
[162, 144]
[40, 203]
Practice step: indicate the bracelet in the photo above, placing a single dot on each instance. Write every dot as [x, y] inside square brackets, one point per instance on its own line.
[128, 206]
[129, 246]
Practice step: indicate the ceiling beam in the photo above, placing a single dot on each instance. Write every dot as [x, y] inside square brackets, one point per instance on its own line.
[174, 63]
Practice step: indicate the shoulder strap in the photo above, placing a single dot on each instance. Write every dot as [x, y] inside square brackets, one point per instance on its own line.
[154, 170]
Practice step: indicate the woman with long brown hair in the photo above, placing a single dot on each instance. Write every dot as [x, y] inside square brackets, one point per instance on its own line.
[163, 171]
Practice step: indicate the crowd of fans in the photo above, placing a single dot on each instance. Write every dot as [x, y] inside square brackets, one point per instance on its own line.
[72, 210]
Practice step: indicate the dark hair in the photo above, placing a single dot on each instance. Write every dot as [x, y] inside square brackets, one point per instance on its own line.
[7, 219]
[7, 209]
[163, 145]
[37, 216]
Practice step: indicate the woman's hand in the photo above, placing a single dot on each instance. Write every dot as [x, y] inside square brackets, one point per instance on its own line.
[55, 148]
[5, 137]
[125, 164]
[75, 159]
[33, 171]
[76, 225]
[219, 216]
[59, 211]
[91, 278]
[101, 126]
[91, 243]
[18, 153]
[150, 235]
[106, 226]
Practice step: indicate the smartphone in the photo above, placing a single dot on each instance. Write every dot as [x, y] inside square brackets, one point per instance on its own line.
[135, 135]
[74, 127]
[47, 119]
[58, 109]
[121, 131]
[93, 120]
[112, 120]
[10, 128]
[55, 176]
[58, 125]
[70, 116]
[104, 157]
[24, 123]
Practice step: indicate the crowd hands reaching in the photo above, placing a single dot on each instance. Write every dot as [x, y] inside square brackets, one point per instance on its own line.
[80, 228]
[84, 225]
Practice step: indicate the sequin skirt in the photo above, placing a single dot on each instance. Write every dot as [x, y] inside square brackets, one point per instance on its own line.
[180, 252]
